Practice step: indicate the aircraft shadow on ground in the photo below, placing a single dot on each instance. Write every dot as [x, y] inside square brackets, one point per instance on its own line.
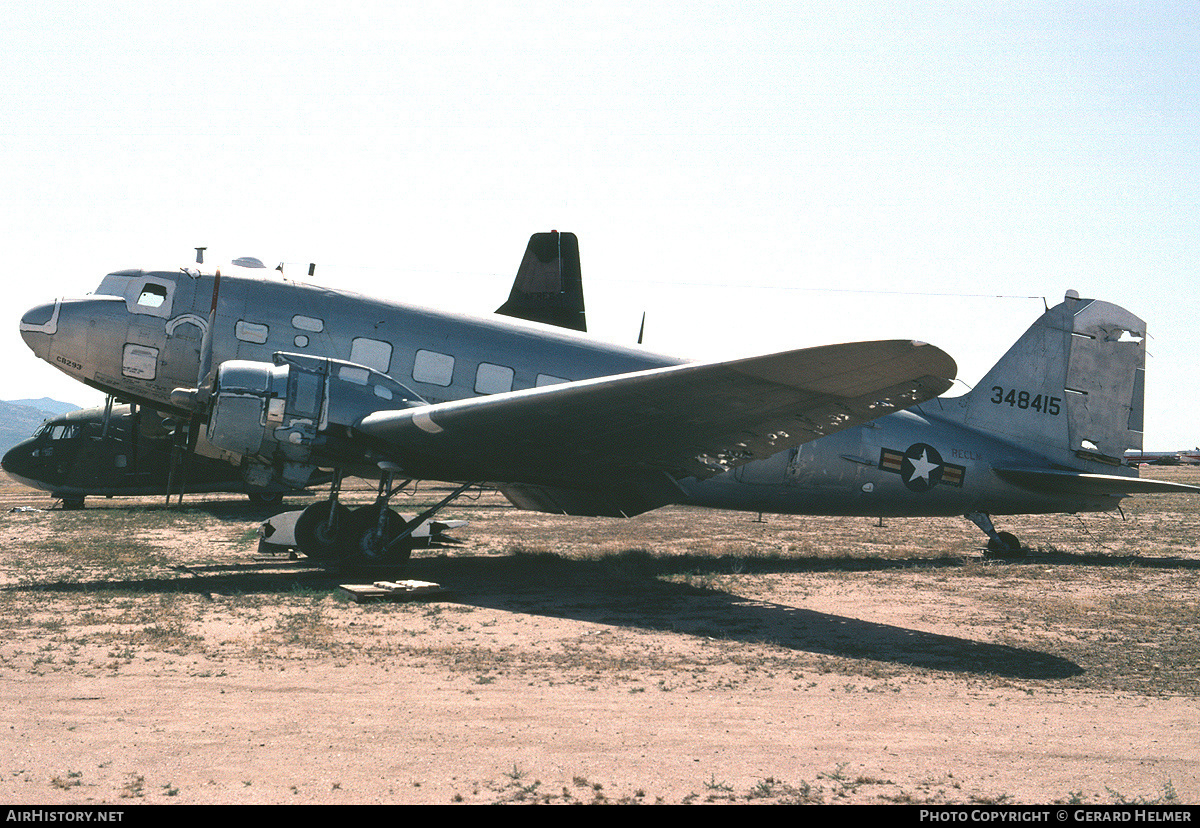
[237, 508]
[627, 591]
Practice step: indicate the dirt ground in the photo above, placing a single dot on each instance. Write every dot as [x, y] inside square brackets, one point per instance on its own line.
[682, 656]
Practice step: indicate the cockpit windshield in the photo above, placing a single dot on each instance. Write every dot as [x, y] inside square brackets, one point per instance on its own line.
[57, 431]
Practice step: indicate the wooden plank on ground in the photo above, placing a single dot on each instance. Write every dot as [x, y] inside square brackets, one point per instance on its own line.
[393, 590]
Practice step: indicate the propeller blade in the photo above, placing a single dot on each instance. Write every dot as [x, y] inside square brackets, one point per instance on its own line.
[207, 375]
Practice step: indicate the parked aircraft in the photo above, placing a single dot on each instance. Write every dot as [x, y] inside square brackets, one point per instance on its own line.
[121, 450]
[127, 451]
[287, 378]
[1188, 457]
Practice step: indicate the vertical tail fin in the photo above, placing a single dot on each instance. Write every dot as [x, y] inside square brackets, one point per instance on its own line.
[1071, 388]
[549, 286]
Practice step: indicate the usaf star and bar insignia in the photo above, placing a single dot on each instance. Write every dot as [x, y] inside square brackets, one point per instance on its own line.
[921, 467]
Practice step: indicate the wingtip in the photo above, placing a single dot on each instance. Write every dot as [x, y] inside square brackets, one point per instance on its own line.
[950, 371]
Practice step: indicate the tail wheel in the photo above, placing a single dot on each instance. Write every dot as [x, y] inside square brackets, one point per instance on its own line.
[320, 538]
[266, 498]
[1009, 546]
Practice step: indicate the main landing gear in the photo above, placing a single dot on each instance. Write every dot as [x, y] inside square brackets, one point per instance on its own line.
[329, 532]
[1004, 545]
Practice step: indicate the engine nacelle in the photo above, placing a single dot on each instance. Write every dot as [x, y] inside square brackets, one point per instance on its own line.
[282, 415]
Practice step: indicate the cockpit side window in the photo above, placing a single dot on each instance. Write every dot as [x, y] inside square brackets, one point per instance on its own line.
[150, 296]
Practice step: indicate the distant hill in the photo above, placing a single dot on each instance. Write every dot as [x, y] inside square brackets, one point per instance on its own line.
[19, 418]
[46, 404]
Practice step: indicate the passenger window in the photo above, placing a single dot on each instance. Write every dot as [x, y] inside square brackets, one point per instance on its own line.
[433, 368]
[493, 379]
[358, 376]
[251, 332]
[308, 323]
[548, 379]
[373, 353]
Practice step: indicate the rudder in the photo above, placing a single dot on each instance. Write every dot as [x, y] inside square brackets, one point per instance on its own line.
[1072, 387]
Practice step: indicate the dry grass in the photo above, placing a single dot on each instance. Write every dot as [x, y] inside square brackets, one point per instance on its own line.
[1101, 604]
[675, 601]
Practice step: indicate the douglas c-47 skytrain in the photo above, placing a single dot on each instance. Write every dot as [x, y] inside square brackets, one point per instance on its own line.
[285, 379]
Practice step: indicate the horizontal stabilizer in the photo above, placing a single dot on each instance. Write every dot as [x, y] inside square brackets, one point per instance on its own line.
[1083, 483]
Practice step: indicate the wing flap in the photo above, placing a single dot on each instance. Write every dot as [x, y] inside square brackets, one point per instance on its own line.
[695, 419]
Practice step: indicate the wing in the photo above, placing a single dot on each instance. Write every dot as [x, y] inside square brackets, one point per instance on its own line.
[642, 430]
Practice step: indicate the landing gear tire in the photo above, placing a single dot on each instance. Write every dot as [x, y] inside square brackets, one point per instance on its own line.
[316, 538]
[266, 498]
[1008, 548]
[72, 503]
[370, 545]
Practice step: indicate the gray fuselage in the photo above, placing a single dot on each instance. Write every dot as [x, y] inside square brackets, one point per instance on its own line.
[140, 337]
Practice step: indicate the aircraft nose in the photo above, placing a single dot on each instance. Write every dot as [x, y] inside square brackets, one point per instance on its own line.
[38, 325]
[19, 464]
[16, 460]
[11, 460]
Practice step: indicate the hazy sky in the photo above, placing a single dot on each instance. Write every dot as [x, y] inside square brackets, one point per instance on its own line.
[754, 176]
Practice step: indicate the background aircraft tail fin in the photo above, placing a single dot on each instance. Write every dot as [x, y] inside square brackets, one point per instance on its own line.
[549, 286]
[1071, 388]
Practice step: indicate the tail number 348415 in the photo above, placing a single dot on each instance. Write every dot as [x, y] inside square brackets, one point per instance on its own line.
[1025, 400]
